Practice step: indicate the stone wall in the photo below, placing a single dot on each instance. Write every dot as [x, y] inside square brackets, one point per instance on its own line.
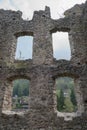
[43, 69]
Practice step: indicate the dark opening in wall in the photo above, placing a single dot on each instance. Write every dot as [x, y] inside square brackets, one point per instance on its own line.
[24, 48]
[66, 99]
[20, 95]
[61, 47]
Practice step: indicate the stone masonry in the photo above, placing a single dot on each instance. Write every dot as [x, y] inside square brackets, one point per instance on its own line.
[43, 69]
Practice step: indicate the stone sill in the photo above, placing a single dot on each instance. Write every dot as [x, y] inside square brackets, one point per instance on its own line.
[20, 113]
[68, 116]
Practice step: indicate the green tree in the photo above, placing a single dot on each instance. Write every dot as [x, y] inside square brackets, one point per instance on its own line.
[20, 91]
[15, 88]
[73, 97]
[21, 87]
[68, 105]
[60, 101]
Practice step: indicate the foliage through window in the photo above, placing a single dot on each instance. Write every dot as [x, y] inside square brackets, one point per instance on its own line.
[20, 94]
[66, 99]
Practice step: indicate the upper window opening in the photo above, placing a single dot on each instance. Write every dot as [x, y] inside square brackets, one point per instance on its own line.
[61, 47]
[24, 48]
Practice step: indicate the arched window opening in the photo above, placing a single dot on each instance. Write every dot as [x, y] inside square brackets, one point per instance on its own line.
[24, 48]
[66, 97]
[20, 96]
[61, 47]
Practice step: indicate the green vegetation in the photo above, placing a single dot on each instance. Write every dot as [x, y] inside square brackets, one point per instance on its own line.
[60, 99]
[66, 100]
[21, 87]
[20, 94]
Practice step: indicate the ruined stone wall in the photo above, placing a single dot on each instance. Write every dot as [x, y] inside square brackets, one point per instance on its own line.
[43, 69]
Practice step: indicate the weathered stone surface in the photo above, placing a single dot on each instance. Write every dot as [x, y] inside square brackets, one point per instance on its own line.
[43, 69]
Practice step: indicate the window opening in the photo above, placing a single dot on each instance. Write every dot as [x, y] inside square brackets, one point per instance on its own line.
[61, 47]
[20, 96]
[24, 48]
[66, 99]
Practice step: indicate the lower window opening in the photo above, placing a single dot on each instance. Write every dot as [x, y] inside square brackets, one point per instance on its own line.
[20, 97]
[66, 99]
